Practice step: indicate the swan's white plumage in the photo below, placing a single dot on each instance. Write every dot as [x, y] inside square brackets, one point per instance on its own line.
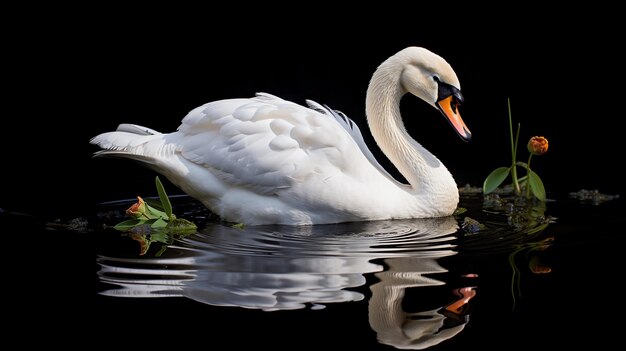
[265, 160]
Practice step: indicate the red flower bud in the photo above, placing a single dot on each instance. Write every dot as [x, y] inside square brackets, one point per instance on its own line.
[538, 145]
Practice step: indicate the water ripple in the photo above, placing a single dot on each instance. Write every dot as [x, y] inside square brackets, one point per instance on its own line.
[277, 267]
[284, 267]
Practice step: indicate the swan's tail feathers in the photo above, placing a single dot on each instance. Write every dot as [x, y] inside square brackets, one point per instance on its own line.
[133, 142]
[317, 107]
[123, 154]
[136, 129]
[342, 118]
[266, 97]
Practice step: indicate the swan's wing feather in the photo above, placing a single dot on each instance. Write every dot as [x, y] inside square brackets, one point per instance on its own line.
[264, 143]
[353, 129]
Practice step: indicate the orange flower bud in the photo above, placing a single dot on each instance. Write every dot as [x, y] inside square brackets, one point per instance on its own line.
[137, 210]
[538, 145]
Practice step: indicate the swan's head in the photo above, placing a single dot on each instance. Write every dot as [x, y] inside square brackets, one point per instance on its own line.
[429, 77]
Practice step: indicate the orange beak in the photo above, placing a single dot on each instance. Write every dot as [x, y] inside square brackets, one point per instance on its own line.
[449, 108]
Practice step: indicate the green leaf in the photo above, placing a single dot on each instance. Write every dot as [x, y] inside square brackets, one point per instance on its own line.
[459, 211]
[495, 178]
[129, 224]
[157, 223]
[153, 213]
[155, 203]
[165, 201]
[536, 185]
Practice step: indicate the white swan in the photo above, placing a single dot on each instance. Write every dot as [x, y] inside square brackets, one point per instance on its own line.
[264, 160]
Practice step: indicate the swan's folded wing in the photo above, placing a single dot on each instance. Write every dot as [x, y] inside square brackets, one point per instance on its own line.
[354, 131]
[266, 143]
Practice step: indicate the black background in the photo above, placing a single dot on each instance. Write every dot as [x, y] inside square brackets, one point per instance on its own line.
[70, 73]
[74, 76]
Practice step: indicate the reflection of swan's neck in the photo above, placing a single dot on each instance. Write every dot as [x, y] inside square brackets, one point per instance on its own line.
[394, 326]
[386, 302]
[419, 167]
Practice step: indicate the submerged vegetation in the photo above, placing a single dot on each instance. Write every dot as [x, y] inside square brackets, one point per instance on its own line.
[593, 197]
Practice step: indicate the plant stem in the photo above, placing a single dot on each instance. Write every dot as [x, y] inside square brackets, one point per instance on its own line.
[516, 186]
[528, 176]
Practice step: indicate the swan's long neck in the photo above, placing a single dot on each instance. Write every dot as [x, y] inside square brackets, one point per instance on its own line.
[425, 173]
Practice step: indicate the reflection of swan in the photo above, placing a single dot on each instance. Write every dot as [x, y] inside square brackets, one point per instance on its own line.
[265, 160]
[405, 330]
[277, 268]
[291, 267]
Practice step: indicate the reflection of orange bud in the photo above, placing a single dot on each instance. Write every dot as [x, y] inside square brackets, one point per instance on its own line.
[538, 145]
[536, 267]
[144, 243]
[470, 275]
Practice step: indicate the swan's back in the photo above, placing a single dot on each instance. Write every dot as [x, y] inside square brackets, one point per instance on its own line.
[265, 143]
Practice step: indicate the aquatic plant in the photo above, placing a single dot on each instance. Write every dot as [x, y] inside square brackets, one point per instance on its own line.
[537, 145]
[155, 216]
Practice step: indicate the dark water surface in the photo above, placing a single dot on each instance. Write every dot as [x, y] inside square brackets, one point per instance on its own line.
[529, 278]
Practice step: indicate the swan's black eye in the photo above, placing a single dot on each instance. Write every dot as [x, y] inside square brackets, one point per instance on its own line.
[436, 79]
[446, 90]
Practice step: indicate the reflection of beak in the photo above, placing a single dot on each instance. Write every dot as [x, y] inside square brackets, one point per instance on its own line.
[448, 107]
[458, 306]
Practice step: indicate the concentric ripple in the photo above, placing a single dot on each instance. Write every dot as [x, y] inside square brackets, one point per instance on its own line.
[278, 267]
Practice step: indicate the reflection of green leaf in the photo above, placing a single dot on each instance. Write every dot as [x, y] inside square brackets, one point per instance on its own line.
[129, 224]
[536, 210]
[537, 229]
[165, 201]
[495, 178]
[161, 236]
[161, 251]
[536, 185]
[161, 232]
